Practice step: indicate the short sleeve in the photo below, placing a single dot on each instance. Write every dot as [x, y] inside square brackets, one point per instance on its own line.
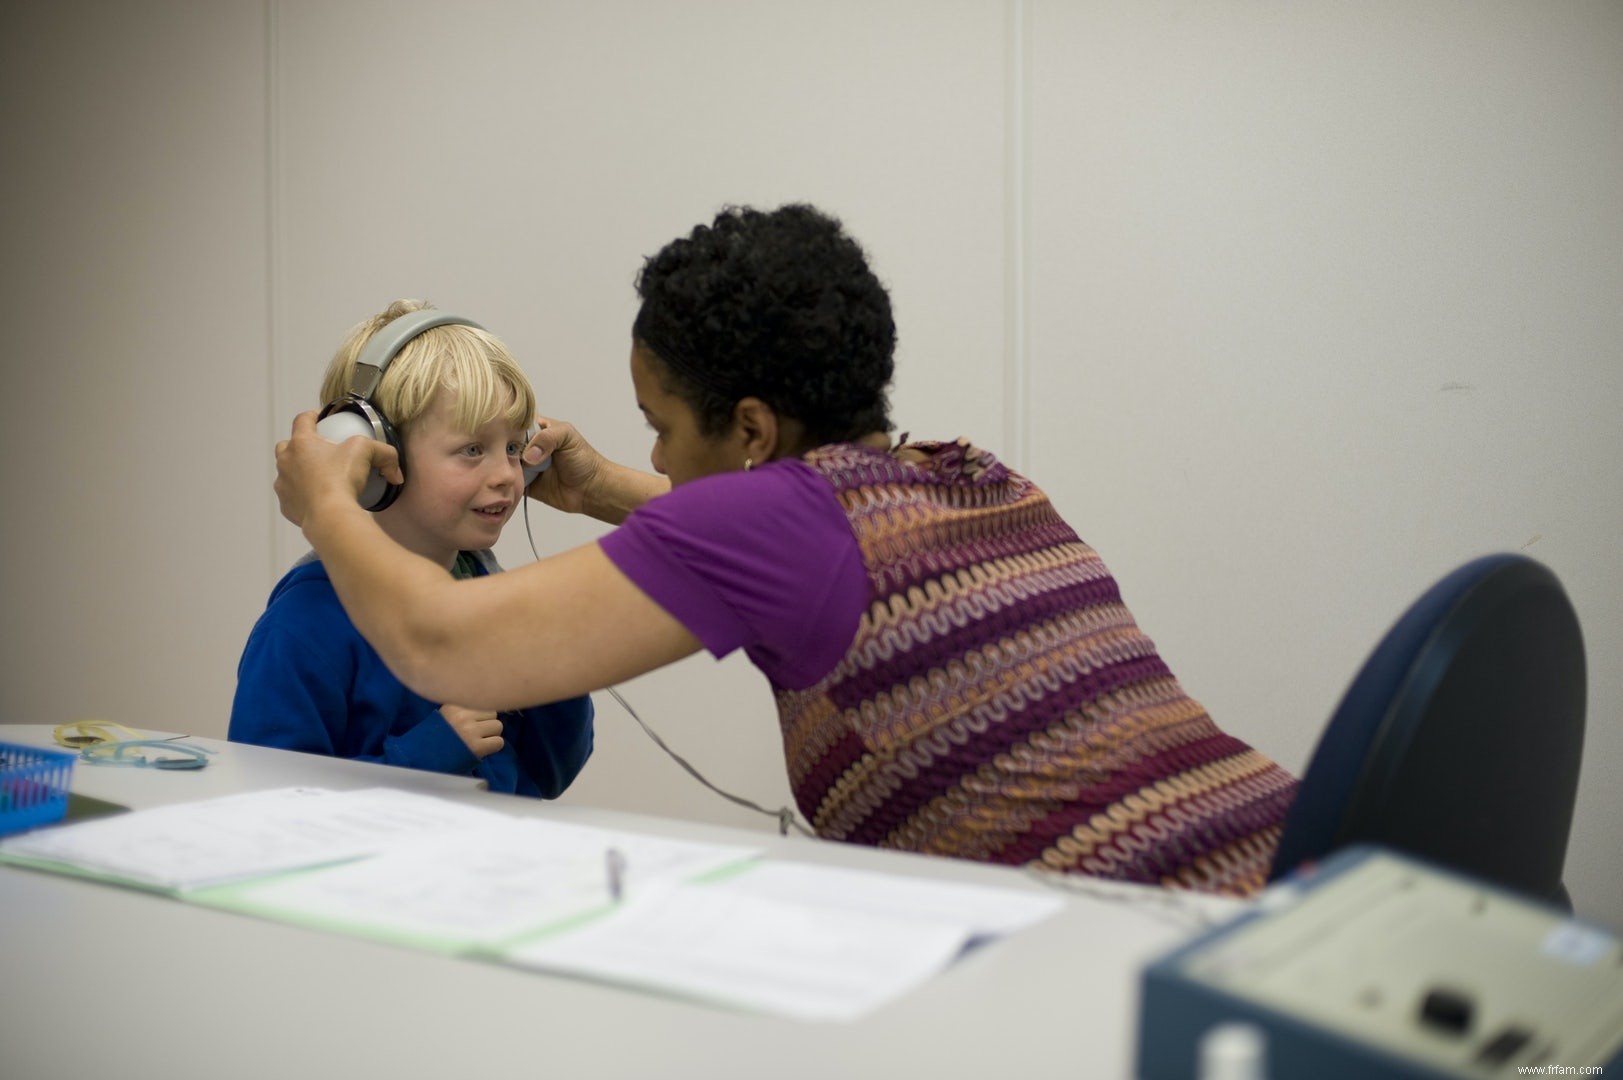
[763, 560]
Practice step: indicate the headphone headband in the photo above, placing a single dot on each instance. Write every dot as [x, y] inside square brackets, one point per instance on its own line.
[355, 414]
[390, 338]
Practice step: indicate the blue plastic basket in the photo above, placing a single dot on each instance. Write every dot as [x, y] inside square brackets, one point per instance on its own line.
[33, 786]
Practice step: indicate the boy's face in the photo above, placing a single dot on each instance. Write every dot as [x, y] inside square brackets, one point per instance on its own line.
[461, 487]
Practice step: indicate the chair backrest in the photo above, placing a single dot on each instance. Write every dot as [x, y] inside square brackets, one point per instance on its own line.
[1460, 739]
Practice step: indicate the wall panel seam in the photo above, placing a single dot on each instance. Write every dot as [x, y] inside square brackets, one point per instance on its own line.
[273, 257]
[1017, 379]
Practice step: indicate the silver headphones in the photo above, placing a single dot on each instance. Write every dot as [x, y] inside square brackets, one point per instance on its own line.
[357, 414]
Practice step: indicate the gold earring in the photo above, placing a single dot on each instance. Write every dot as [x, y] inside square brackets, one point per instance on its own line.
[749, 463]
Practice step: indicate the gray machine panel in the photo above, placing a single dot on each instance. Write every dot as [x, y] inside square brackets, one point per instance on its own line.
[1379, 965]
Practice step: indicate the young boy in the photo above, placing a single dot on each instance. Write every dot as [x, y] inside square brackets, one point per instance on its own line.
[459, 405]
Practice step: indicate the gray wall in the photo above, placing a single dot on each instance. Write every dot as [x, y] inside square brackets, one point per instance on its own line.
[1291, 307]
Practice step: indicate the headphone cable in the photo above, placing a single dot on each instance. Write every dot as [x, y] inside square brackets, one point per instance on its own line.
[785, 816]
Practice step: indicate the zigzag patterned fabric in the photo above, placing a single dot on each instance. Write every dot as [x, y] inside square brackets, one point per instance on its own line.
[999, 702]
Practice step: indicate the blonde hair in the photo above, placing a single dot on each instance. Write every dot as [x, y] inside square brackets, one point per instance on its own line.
[470, 363]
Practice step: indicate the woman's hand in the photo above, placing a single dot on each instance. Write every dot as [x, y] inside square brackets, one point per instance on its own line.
[311, 469]
[583, 481]
[576, 466]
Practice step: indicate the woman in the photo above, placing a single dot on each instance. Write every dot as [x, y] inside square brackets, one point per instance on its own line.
[955, 671]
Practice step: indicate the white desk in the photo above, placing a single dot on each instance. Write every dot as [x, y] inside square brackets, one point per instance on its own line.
[105, 981]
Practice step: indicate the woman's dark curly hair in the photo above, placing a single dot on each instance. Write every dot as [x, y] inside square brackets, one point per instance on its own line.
[777, 305]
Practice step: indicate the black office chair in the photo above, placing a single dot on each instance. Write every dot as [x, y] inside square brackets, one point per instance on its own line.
[1461, 737]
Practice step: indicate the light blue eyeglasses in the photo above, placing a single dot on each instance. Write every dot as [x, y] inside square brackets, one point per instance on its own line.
[98, 745]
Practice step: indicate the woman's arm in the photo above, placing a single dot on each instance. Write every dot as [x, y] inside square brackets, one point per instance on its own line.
[553, 629]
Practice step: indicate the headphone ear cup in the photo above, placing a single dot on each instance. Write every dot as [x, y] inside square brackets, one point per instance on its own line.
[346, 419]
[391, 492]
[533, 471]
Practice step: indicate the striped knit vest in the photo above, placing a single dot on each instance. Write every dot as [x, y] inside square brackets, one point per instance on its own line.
[999, 703]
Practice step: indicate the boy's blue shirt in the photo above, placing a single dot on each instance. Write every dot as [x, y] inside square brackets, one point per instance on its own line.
[309, 681]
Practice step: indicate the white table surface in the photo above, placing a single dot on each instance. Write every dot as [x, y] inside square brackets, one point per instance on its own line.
[102, 981]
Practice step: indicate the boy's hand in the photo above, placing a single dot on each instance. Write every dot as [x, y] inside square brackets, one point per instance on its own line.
[481, 729]
[311, 468]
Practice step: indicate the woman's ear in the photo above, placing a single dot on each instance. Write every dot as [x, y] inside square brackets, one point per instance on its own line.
[759, 431]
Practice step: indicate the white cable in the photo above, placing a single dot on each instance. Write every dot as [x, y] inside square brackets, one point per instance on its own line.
[784, 816]
[1171, 905]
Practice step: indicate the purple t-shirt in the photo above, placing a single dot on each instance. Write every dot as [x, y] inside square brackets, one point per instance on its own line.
[763, 560]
